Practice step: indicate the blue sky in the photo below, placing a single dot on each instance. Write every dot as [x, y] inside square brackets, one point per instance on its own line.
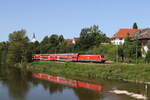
[68, 17]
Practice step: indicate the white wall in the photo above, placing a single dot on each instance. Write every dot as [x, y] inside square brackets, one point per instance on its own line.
[33, 40]
[117, 41]
[144, 51]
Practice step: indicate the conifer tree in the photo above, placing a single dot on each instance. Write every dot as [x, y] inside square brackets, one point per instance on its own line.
[135, 26]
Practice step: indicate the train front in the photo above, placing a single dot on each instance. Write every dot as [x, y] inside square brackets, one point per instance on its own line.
[102, 58]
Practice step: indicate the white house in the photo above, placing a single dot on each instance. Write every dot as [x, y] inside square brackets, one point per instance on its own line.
[118, 38]
[143, 36]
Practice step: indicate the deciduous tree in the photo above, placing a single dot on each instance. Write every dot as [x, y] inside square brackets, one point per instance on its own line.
[18, 48]
[90, 37]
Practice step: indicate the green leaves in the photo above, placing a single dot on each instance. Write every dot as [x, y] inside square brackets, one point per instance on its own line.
[147, 58]
[90, 37]
[135, 26]
[18, 47]
[3, 52]
[130, 50]
[18, 36]
[51, 44]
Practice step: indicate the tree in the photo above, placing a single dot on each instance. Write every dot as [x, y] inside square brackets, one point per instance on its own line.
[65, 47]
[148, 44]
[44, 45]
[35, 47]
[90, 37]
[3, 51]
[121, 52]
[54, 43]
[51, 44]
[54, 40]
[135, 26]
[131, 48]
[18, 48]
[61, 39]
[147, 58]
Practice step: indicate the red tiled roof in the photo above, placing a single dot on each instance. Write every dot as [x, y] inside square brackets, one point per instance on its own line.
[76, 39]
[123, 32]
[70, 41]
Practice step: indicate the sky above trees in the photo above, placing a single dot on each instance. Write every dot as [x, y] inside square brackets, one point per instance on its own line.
[68, 17]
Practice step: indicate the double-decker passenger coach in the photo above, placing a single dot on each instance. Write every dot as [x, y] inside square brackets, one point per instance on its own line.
[70, 57]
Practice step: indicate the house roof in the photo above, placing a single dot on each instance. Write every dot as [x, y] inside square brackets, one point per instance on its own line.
[76, 39]
[123, 32]
[71, 41]
[143, 34]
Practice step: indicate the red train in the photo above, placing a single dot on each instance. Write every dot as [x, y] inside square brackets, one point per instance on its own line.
[72, 83]
[70, 57]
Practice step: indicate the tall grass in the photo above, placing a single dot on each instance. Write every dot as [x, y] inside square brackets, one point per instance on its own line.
[131, 72]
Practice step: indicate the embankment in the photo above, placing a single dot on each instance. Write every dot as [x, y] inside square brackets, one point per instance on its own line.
[128, 72]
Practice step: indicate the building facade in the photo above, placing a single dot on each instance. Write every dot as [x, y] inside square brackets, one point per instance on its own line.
[143, 36]
[33, 38]
[119, 37]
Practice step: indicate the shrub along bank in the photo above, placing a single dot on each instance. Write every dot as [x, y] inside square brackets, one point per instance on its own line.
[130, 72]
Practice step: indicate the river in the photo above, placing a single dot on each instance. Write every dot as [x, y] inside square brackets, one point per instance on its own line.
[16, 84]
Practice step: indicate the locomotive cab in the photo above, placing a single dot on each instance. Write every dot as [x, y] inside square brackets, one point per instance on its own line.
[102, 58]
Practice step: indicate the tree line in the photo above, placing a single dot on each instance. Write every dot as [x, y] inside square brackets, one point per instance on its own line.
[19, 49]
[129, 51]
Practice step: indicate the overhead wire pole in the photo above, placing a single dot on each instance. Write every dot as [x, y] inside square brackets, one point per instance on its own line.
[137, 35]
[136, 53]
[146, 90]
[117, 53]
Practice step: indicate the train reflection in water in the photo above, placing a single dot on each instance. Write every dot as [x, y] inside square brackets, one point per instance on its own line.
[72, 83]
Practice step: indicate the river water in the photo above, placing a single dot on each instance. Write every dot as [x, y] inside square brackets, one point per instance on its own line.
[22, 85]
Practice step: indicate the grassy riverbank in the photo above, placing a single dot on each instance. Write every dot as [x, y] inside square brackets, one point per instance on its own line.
[130, 72]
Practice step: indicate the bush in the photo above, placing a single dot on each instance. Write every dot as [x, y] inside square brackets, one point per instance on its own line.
[147, 58]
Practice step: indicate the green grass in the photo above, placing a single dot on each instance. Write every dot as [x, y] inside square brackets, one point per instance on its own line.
[130, 72]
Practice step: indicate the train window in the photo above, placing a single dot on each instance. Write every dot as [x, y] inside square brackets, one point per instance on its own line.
[74, 56]
[102, 56]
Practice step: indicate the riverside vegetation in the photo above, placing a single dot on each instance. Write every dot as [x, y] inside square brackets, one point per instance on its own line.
[81, 71]
[18, 50]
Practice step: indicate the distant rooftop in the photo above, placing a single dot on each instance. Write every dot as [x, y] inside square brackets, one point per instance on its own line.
[123, 32]
[72, 41]
[143, 34]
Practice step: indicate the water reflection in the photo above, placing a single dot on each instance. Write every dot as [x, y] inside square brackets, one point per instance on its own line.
[18, 84]
[72, 83]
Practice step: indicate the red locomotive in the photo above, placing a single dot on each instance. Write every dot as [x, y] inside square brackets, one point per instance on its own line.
[70, 57]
